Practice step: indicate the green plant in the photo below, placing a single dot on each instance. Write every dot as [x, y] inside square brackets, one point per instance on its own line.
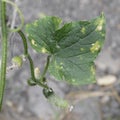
[70, 48]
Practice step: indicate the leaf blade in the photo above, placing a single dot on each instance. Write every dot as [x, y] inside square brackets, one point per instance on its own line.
[75, 63]
[73, 47]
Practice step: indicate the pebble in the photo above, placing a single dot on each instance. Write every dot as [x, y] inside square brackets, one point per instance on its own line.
[106, 80]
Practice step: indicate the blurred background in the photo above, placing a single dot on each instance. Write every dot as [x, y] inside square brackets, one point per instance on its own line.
[99, 101]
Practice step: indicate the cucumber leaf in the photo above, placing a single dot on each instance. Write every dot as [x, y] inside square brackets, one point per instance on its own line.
[73, 47]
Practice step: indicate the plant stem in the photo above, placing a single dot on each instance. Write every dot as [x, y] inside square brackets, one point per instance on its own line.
[31, 61]
[4, 51]
[45, 69]
[27, 54]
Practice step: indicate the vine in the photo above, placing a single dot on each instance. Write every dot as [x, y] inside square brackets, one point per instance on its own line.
[33, 80]
[4, 51]
[71, 50]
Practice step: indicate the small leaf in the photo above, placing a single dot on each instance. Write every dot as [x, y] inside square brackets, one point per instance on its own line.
[73, 47]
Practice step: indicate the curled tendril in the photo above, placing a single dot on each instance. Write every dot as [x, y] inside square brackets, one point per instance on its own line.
[20, 14]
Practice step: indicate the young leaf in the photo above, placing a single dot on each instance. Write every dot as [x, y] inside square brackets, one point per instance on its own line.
[73, 47]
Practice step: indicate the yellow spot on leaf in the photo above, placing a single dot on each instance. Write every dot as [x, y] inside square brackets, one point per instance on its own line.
[92, 69]
[83, 30]
[82, 49]
[61, 67]
[99, 28]
[43, 50]
[33, 42]
[61, 63]
[95, 47]
[73, 80]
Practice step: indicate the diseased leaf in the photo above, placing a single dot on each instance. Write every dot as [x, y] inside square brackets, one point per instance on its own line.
[73, 47]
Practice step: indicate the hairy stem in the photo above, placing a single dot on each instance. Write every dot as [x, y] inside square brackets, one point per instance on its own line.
[4, 51]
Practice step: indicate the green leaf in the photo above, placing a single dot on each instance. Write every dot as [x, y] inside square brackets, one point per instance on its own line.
[73, 47]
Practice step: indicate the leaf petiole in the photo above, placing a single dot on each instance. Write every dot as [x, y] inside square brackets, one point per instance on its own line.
[27, 54]
[45, 69]
[31, 62]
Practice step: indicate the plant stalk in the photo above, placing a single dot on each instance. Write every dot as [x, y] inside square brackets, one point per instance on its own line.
[4, 51]
[45, 69]
[26, 53]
